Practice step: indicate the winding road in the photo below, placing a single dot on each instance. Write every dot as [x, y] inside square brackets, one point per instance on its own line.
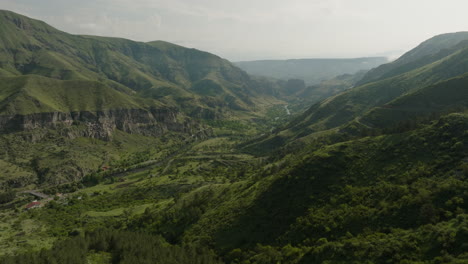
[36, 193]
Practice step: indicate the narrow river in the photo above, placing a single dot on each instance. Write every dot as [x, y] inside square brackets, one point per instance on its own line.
[287, 110]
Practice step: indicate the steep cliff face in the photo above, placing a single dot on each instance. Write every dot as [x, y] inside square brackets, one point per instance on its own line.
[102, 124]
[58, 147]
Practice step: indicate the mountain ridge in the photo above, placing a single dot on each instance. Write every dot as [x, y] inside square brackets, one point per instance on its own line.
[157, 69]
[432, 46]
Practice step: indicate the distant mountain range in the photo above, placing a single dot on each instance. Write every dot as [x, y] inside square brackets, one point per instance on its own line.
[312, 71]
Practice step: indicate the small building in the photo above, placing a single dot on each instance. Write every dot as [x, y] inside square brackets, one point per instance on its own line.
[32, 205]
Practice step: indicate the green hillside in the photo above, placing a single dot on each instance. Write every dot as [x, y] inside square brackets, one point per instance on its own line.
[427, 52]
[160, 70]
[62, 92]
[441, 98]
[358, 200]
[389, 198]
[345, 107]
[29, 94]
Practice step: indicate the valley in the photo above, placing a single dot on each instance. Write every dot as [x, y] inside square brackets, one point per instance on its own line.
[118, 151]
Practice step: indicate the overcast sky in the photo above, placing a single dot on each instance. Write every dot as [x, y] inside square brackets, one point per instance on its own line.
[259, 29]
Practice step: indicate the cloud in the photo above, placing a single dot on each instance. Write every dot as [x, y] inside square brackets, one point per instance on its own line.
[106, 25]
[254, 29]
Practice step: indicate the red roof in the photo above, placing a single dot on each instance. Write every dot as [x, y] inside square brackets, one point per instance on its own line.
[33, 204]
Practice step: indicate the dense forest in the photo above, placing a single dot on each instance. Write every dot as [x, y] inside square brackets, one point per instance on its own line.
[116, 247]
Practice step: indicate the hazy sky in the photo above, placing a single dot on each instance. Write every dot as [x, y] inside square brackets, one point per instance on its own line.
[259, 29]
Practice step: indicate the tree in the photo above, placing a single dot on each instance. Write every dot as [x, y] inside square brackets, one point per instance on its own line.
[7, 196]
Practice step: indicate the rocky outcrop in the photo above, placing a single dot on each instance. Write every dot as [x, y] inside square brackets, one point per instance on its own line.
[101, 124]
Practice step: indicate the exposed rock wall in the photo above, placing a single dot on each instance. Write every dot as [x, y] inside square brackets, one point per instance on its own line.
[101, 124]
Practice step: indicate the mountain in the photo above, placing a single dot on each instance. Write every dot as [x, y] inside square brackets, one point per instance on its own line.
[58, 87]
[359, 103]
[312, 71]
[370, 174]
[427, 52]
[169, 73]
